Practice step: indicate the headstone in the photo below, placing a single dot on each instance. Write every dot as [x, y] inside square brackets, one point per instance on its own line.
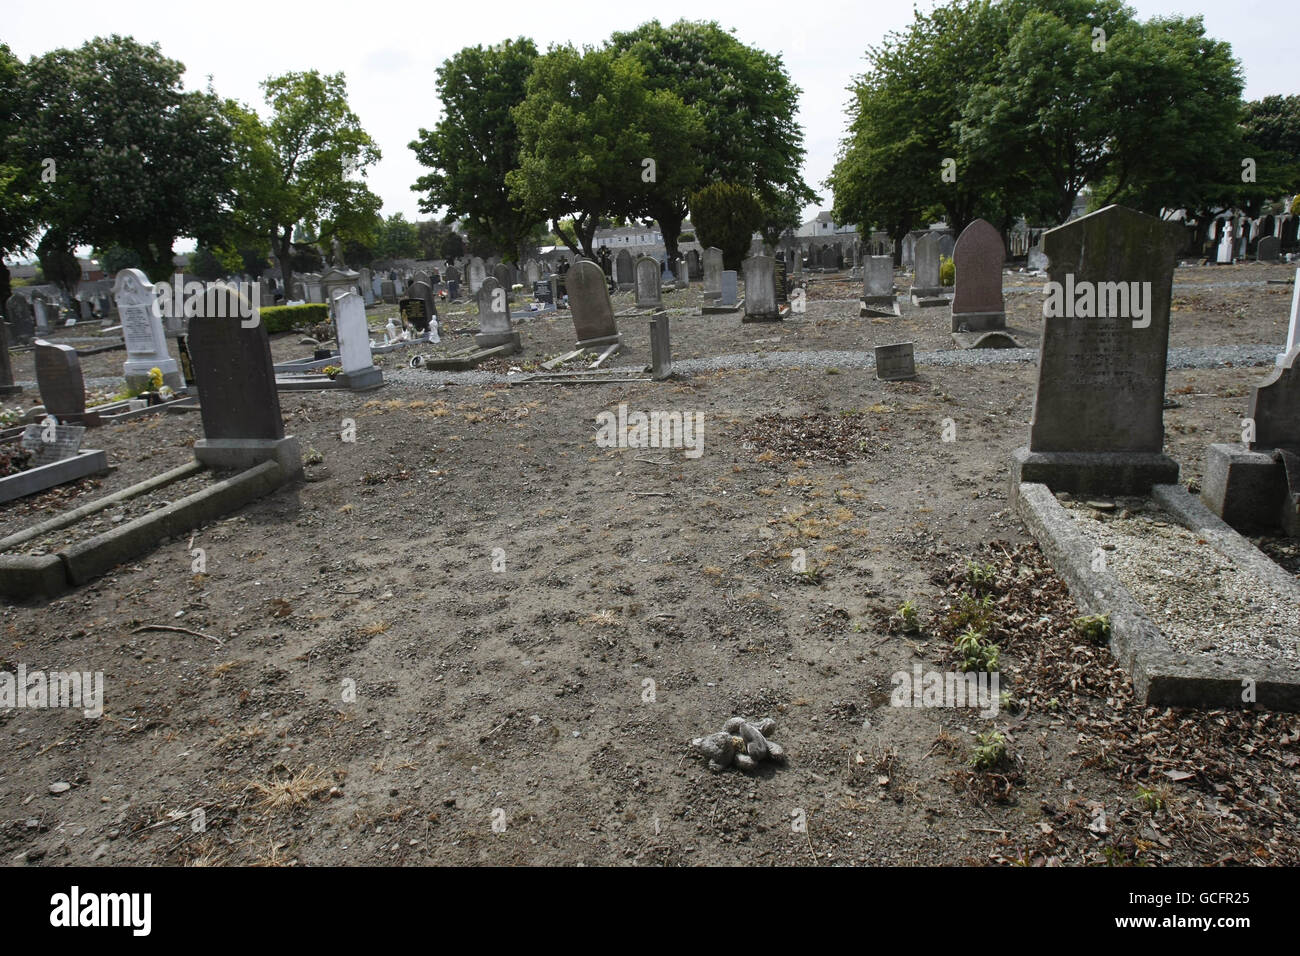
[712, 272]
[7, 386]
[501, 272]
[895, 363]
[359, 370]
[1268, 250]
[682, 273]
[878, 297]
[926, 290]
[648, 294]
[1275, 407]
[50, 444]
[494, 317]
[977, 303]
[760, 290]
[335, 280]
[730, 286]
[61, 384]
[694, 265]
[21, 318]
[142, 328]
[388, 291]
[661, 353]
[235, 380]
[948, 248]
[1226, 244]
[798, 263]
[593, 314]
[476, 272]
[532, 272]
[1293, 331]
[426, 321]
[1098, 423]
[624, 270]
[42, 309]
[1037, 258]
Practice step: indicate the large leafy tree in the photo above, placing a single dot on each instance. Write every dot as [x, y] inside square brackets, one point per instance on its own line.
[1089, 97]
[19, 169]
[398, 238]
[746, 103]
[137, 161]
[903, 159]
[587, 126]
[476, 143]
[301, 169]
[726, 215]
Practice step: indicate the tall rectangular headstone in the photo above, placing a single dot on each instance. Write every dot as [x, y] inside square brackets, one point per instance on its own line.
[22, 320]
[648, 294]
[878, 297]
[7, 386]
[661, 352]
[235, 380]
[730, 286]
[494, 328]
[1293, 331]
[61, 383]
[359, 370]
[760, 290]
[712, 272]
[1098, 424]
[593, 314]
[475, 273]
[142, 328]
[624, 270]
[977, 303]
[926, 289]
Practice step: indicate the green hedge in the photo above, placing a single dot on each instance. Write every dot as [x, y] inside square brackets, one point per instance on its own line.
[285, 318]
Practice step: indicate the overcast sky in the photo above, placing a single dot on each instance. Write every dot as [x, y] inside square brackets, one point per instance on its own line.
[389, 51]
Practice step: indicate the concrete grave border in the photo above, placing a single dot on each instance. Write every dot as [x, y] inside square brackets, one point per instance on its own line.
[26, 576]
[1162, 676]
[88, 461]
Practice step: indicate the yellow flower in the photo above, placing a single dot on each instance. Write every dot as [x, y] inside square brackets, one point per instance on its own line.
[156, 377]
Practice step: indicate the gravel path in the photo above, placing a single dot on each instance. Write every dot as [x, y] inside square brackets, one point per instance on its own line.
[1247, 355]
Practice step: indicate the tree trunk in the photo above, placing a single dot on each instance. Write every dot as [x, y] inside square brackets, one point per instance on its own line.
[5, 290]
[564, 237]
[670, 224]
[282, 245]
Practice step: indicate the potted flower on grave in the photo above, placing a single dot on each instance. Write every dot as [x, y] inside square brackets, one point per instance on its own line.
[155, 383]
[331, 370]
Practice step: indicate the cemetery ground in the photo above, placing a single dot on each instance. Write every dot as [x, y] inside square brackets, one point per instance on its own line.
[524, 690]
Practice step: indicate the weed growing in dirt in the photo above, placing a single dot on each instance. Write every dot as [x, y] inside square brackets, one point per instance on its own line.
[1094, 628]
[990, 751]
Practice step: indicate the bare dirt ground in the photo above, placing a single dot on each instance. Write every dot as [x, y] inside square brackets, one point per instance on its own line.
[505, 716]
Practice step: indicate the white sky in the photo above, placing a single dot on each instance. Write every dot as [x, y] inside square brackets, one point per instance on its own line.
[389, 51]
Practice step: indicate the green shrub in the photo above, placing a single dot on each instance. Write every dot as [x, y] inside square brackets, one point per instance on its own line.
[947, 271]
[285, 318]
[990, 751]
[726, 215]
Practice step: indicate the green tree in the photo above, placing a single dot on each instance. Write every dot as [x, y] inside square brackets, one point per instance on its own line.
[902, 160]
[116, 258]
[726, 215]
[587, 125]
[476, 143]
[19, 169]
[137, 161]
[746, 104]
[398, 239]
[300, 168]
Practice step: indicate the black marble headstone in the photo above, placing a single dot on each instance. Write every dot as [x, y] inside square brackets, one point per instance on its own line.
[234, 374]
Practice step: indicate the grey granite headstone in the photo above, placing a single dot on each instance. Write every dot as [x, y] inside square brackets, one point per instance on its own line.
[730, 286]
[1098, 423]
[925, 284]
[593, 314]
[7, 386]
[1268, 249]
[501, 272]
[359, 371]
[648, 294]
[977, 303]
[475, 273]
[494, 327]
[235, 378]
[60, 382]
[878, 297]
[21, 317]
[624, 270]
[1275, 407]
[661, 353]
[760, 290]
[895, 363]
[388, 291]
[712, 272]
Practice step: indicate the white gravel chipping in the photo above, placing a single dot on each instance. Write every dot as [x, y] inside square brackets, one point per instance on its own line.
[1200, 599]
